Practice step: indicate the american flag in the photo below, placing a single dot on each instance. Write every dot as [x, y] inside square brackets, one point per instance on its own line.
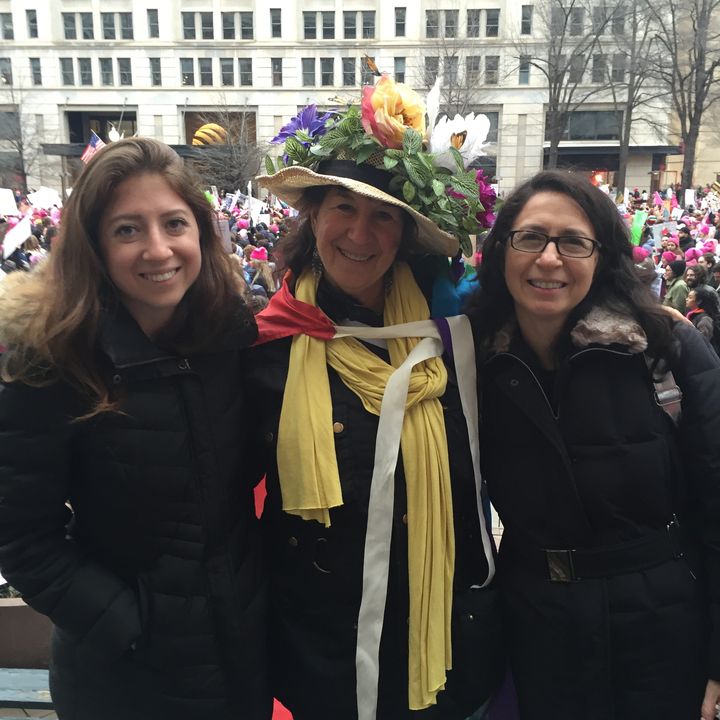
[92, 147]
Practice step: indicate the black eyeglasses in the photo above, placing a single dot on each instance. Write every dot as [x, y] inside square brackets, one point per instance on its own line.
[532, 241]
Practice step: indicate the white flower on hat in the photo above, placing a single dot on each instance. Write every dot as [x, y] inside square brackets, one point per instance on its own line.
[466, 134]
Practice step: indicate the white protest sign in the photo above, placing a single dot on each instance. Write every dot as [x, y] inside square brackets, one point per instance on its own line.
[16, 236]
[7, 202]
[256, 207]
[657, 229]
[45, 198]
[690, 197]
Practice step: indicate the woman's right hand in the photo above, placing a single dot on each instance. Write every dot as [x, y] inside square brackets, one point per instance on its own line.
[711, 701]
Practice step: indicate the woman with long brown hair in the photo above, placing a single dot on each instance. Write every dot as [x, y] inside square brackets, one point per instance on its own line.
[125, 516]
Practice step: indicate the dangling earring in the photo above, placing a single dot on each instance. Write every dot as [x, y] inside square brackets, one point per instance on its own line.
[316, 263]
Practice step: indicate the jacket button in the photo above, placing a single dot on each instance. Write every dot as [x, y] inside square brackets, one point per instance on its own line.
[470, 617]
[184, 365]
[514, 383]
[338, 427]
[404, 519]
[117, 379]
[269, 437]
[292, 541]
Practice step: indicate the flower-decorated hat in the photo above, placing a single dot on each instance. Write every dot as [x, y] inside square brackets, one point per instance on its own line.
[384, 149]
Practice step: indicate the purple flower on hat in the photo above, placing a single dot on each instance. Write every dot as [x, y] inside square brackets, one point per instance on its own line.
[306, 126]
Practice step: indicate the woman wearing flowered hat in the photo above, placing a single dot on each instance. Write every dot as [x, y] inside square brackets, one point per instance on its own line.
[381, 559]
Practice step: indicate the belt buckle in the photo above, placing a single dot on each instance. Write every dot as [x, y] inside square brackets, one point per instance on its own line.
[560, 565]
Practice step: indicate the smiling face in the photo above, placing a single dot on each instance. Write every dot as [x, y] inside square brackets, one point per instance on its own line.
[547, 286]
[357, 240]
[690, 278]
[150, 242]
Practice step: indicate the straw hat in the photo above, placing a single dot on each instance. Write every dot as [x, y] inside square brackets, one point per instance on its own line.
[290, 183]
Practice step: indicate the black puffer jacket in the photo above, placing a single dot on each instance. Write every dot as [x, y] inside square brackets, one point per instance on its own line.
[585, 458]
[157, 588]
[316, 572]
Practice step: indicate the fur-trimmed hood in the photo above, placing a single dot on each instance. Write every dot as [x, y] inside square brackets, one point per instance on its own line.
[600, 326]
[19, 306]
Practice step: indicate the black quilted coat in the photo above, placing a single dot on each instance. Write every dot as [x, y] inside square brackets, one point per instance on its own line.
[155, 580]
[585, 458]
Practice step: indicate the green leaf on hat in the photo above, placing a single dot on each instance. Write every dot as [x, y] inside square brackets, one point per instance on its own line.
[364, 153]
[269, 166]
[409, 191]
[295, 150]
[414, 172]
[393, 153]
[458, 158]
[465, 184]
[320, 151]
[465, 245]
[412, 142]
[438, 188]
[390, 162]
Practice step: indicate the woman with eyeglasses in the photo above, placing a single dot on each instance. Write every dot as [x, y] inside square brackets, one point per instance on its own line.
[609, 565]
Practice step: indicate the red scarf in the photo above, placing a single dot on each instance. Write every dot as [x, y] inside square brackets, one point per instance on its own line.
[287, 316]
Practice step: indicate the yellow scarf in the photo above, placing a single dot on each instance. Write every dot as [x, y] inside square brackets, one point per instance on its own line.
[308, 470]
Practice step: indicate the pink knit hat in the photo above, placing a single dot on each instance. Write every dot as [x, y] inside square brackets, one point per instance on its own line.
[668, 256]
[639, 254]
[691, 256]
[259, 253]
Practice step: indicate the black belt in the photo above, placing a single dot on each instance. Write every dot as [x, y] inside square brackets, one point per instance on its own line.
[585, 563]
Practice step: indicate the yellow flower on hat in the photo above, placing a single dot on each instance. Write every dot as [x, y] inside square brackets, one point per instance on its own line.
[389, 109]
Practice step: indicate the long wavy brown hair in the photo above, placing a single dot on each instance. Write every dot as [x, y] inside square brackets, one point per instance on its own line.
[70, 294]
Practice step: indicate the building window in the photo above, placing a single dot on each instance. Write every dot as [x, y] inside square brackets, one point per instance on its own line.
[228, 25]
[308, 72]
[349, 25]
[32, 26]
[558, 20]
[524, 70]
[227, 71]
[187, 71]
[207, 31]
[206, 71]
[7, 31]
[310, 25]
[153, 24]
[618, 67]
[124, 71]
[368, 24]
[277, 73]
[276, 22]
[66, 71]
[618, 21]
[126, 26]
[348, 69]
[598, 68]
[106, 72]
[328, 25]
[577, 21]
[432, 20]
[432, 65]
[400, 69]
[593, 125]
[577, 68]
[86, 26]
[327, 71]
[246, 26]
[473, 23]
[492, 23]
[492, 69]
[35, 71]
[245, 70]
[69, 25]
[366, 74]
[451, 23]
[526, 20]
[450, 65]
[155, 72]
[108, 25]
[599, 19]
[472, 70]
[6, 75]
[400, 13]
[85, 71]
[188, 25]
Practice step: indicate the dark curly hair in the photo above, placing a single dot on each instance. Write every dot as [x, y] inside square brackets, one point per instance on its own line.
[615, 284]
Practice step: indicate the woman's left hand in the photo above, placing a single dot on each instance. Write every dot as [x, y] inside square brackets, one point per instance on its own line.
[712, 698]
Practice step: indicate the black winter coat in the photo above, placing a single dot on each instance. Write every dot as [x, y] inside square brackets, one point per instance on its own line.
[585, 458]
[156, 588]
[316, 572]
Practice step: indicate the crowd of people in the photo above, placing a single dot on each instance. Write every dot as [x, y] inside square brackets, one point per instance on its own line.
[153, 378]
